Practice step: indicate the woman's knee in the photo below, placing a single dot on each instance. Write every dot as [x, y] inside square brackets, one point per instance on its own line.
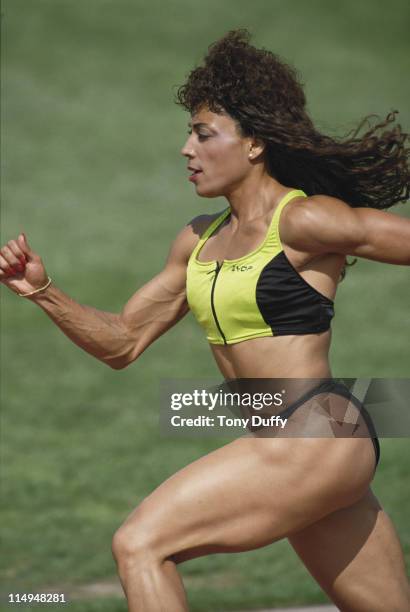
[136, 539]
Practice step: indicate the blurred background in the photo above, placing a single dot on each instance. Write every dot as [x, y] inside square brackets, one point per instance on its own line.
[92, 172]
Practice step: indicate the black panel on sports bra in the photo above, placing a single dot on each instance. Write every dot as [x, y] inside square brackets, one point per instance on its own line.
[288, 303]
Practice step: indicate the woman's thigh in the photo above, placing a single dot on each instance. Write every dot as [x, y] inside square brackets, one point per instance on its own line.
[250, 493]
[356, 557]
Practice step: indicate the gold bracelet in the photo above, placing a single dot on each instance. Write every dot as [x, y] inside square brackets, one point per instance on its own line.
[37, 290]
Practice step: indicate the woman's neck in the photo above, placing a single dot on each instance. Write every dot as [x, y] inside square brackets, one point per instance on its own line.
[255, 197]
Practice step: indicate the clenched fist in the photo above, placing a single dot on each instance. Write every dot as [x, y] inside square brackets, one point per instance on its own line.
[21, 269]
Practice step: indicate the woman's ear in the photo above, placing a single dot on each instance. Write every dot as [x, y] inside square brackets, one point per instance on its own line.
[256, 148]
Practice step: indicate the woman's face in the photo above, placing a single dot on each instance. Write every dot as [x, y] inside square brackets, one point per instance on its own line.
[218, 157]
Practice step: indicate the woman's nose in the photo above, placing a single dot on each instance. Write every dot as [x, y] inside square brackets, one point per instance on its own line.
[187, 149]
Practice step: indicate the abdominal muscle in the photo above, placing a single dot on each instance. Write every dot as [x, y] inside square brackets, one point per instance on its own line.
[298, 356]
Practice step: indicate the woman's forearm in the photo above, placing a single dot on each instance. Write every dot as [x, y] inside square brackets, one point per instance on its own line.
[102, 334]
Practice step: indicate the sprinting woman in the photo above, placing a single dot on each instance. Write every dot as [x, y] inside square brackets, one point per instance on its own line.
[261, 279]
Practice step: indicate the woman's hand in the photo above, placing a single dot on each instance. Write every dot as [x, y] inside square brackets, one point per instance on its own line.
[21, 269]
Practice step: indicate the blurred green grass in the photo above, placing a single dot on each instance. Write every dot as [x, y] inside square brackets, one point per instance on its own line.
[92, 173]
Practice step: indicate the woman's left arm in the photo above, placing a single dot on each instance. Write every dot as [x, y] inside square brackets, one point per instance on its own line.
[322, 224]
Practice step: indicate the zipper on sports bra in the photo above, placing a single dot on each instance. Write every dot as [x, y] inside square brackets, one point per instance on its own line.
[217, 270]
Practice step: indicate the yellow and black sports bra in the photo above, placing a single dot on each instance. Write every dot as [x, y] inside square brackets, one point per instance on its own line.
[259, 294]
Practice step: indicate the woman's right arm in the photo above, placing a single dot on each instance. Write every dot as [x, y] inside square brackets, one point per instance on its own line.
[115, 339]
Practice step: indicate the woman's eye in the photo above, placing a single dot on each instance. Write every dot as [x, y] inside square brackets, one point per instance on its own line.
[200, 136]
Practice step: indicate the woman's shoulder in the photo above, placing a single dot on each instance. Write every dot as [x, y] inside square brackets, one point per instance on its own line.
[201, 223]
[314, 208]
[320, 224]
[313, 217]
[191, 233]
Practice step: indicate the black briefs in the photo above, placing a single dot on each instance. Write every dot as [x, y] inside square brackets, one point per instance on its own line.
[338, 413]
[333, 387]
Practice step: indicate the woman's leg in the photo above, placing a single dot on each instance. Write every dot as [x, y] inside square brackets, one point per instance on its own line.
[355, 555]
[242, 496]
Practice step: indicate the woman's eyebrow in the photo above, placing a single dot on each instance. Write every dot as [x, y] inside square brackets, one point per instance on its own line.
[199, 125]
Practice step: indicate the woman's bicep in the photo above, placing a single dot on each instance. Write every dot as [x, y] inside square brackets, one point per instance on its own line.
[155, 307]
[160, 303]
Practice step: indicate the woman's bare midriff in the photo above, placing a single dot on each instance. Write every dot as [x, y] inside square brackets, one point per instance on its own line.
[304, 359]
[302, 356]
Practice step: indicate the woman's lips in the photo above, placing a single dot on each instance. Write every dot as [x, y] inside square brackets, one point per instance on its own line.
[194, 176]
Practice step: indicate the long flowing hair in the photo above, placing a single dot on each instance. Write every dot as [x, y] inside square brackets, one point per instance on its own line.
[368, 167]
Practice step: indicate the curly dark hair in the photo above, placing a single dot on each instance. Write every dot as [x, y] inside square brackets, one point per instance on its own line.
[368, 167]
